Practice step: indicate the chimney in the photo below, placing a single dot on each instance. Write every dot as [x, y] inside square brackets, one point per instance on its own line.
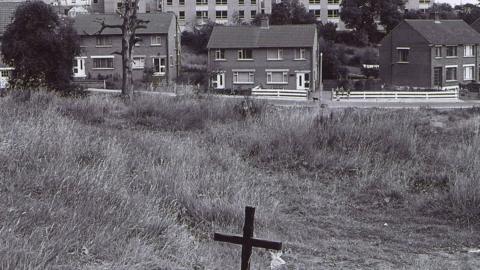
[264, 22]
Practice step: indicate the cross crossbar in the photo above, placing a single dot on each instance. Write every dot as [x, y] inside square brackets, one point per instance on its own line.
[247, 240]
[254, 242]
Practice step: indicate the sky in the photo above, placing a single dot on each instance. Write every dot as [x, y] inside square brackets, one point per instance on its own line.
[456, 2]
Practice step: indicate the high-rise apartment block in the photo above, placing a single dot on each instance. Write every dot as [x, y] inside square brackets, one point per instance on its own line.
[194, 12]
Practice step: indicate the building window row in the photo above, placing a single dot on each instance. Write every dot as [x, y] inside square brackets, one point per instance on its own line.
[273, 54]
[106, 41]
[451, 73]
[217, 2]
[452, 51]
[107, 62]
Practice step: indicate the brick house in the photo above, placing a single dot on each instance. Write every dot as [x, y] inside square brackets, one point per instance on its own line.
[435, 54]
[274, 57]
[158, 50]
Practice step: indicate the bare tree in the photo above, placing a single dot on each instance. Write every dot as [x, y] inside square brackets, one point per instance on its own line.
[130, 23]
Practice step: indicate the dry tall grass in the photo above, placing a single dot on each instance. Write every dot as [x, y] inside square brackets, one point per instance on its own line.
[96, 184]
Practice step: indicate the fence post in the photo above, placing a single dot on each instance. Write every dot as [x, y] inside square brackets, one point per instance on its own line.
[426, 95]
[104, 84]
[364, 95]
[396, 95]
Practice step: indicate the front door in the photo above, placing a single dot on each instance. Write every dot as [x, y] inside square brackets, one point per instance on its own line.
[218, 81]
[159, 66]
[437, 77]
[303, 81]
[79, 68]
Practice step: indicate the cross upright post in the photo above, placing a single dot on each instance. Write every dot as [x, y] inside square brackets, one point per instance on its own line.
[247, 237]
[247, 240]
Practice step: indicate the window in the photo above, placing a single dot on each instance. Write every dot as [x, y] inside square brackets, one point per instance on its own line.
[95, 1]
[403, 55]
[181, 2]
[241, 14]
[314, 1]
[245, 54]
[6, 73]
[181, 15]
[159, 65]
[221, 2]
[334, 2]
[169, 2]
[221, 14]
[451, 73]
[438, 51]
[104, 41]
[468, 72]
[253, 13]
[451, 51]
[241, 2]
[102, 62]
[274, 54]
[277, 77]
[253, 2]
[202, 15]
[220, 54]
[424, 1]
[243, 77]
[333, 13]
[138, 62]
[316, 12]
[202, 2]
[469, 51]
[300, 54]
[156, 40]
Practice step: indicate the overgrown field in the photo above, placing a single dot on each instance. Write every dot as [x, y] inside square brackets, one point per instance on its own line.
[94, 183]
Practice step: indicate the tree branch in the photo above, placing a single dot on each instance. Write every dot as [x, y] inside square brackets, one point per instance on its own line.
[105, 26]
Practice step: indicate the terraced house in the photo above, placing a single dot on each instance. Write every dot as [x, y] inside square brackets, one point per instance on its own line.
[273, 57]
[157, 52]
[434, 54]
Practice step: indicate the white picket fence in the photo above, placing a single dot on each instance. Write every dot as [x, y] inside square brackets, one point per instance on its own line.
[425, 95]
[280, 93]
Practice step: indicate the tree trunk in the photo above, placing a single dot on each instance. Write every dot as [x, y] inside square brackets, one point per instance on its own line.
[127, 86]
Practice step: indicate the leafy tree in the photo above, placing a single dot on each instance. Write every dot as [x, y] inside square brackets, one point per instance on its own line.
[41, 47]
[469, 13]
[364, 16]
[197, 39]
[444, 11]
[328, 31]
[288, 12]
[129, 25]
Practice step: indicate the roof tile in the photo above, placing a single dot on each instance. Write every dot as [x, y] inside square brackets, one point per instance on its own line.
[256, 37]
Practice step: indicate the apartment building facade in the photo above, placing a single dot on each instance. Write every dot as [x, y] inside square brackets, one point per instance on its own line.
[244, 57]
[158, 50]
[195, 12]
[430, 54]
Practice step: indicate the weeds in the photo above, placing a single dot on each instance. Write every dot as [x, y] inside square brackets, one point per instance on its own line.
[94, 183]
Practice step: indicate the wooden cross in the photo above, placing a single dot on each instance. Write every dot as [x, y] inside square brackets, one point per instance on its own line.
[247, 241]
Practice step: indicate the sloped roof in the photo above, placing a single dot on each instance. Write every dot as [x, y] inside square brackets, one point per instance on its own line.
[445, 32]
[256, 37]
[476, 25]
[7, 9]
[87, 24]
